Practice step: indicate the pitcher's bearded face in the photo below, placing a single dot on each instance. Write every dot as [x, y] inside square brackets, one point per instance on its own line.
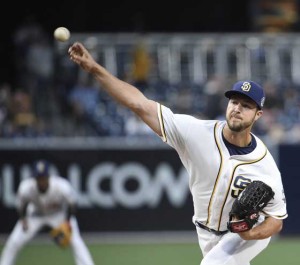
[241, 113]
[238, 125]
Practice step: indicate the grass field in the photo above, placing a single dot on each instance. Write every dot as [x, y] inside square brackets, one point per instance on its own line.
[283, 251]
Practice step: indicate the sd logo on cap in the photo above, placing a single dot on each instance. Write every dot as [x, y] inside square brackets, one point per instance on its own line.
[249, 89]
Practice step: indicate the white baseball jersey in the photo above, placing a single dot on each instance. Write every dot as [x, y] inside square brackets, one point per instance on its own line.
[48, 209]
[59, 194]
[216, 177]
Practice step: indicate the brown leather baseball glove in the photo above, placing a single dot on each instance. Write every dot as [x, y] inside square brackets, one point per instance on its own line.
[62, 234]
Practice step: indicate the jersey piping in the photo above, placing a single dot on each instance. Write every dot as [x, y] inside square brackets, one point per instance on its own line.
[218, 175]
[231, 178]
[162, 126]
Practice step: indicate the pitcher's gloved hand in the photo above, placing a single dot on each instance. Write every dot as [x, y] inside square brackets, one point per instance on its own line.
[246, 207]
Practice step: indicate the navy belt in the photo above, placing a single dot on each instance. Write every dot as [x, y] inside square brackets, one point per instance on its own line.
[218, 233]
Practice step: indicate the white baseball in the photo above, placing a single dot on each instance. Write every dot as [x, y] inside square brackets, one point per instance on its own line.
[62, 34]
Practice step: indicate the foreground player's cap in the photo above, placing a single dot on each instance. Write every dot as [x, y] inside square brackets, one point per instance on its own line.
[249, 89]
[41, 169]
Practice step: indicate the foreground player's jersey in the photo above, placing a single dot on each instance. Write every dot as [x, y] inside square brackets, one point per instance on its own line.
[215, 177]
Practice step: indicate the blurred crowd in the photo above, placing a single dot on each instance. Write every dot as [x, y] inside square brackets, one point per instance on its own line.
[51, 99]
[87, 111]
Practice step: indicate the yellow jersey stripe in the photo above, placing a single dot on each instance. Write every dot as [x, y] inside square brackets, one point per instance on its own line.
[161, 123]
[218, 175]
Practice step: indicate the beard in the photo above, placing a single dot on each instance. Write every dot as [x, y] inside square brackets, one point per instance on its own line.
[239, 126]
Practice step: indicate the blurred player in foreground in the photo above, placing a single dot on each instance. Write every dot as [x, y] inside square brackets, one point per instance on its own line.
[45, 201]
[221, 157]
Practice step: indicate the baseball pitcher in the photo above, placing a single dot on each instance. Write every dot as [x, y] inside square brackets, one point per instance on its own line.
[222, 158]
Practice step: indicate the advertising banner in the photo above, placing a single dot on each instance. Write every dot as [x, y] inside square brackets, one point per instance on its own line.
[128, 189]
[118, 190]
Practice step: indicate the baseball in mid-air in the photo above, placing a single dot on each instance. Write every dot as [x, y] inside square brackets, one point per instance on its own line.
[62, 34]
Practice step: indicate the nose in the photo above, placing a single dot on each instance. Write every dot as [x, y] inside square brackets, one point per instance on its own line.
[237, 107]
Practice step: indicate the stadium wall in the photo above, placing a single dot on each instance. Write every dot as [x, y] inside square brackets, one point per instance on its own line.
[124, 187]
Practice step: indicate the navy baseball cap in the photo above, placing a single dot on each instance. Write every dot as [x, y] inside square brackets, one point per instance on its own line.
[249, 89]
[41, 169]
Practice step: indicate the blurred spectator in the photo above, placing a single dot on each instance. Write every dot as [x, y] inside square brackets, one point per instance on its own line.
[140, 67]
[181, 98]
[28, 32]
[134, 126]
[35, 71]
[23, 118]
[40, 66]
[275, 15]
[84, 101]
[276, 134]
[293, 136]
[273, 96]
[214, 97]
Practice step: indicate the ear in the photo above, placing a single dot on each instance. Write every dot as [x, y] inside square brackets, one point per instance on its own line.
[258, 114]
